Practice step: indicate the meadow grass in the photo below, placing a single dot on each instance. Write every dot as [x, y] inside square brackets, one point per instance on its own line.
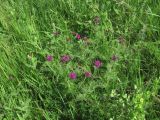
[124, 35]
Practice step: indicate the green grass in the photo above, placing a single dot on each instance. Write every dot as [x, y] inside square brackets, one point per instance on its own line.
[33, 89]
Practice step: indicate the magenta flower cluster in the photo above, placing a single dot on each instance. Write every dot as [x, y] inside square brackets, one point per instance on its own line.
[98, 63]
[66, 58]
[73, 75]
[87, 74]
[49, 58]
[78, 36]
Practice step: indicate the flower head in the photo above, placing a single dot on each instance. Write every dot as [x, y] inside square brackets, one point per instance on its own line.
[88, 74]
[78, 36]
[97, 63]
[49, 58]
[72, 75]
[65, 58]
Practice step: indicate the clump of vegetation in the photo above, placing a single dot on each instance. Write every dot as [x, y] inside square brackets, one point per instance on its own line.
[80, 60]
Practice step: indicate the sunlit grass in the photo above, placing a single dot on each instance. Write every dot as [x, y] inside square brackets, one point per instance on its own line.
[80, 60]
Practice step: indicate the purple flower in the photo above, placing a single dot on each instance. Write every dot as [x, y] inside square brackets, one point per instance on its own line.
[49, 58]
[65, 58]
[88, 74]
[78, 36]
[72, 75]
[114, 58]
[97, 63]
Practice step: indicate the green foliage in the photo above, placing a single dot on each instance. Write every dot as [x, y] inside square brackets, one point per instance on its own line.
[125, 89]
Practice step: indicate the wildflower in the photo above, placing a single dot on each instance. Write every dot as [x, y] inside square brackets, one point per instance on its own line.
[114, 57]
[72, 75]
[78, 36]
[97, 63]
[49, 58]
[65, 58]
[88, 74]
